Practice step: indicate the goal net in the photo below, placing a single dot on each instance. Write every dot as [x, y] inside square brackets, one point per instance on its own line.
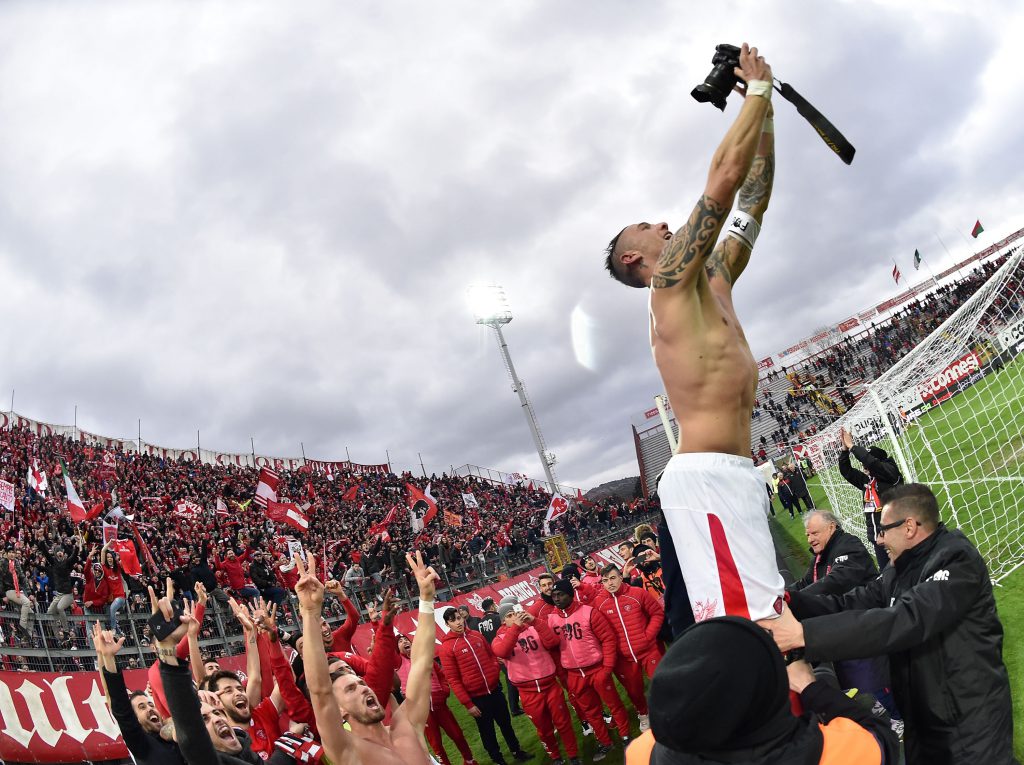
[951, 413]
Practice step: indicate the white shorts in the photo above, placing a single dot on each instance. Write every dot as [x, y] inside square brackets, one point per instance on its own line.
[716, 508]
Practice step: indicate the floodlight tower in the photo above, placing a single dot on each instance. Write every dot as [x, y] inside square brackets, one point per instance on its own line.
[490, 307]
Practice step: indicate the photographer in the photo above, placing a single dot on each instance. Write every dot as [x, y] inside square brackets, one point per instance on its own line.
[882, 475]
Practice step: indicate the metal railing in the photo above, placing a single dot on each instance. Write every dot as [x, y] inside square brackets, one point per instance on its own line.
[55, 649]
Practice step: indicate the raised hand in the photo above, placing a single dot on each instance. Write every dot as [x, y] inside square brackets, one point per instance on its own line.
[752, 66]
[309, 589]
[201, 594]
[166, 647]
[389, 608]
[242, 615]
[106, 646]
[188, 616]
[847, 439]
[425, 575]
[336, 589]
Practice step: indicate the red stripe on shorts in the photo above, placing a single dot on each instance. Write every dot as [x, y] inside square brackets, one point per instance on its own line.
[732, 588]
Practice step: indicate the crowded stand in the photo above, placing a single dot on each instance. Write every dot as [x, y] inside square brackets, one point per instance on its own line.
[795, 402]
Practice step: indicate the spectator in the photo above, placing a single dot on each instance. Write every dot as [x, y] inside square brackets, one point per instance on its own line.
[933, 613]
[60, 565]
[882, 475]
[798, 485]
[12, 583]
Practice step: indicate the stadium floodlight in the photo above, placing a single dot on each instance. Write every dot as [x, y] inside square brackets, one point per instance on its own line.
[490, 307]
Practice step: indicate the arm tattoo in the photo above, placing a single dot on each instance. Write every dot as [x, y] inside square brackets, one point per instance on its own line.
[692, 240]
[758, 185]
[717, 267]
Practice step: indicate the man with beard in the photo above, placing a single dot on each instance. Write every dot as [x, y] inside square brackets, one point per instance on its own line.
[135, 713]
[348, 699]
[201, 727]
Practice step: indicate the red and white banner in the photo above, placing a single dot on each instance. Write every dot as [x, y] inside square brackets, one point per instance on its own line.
[558, 507]
[7, 495]
[846, 326]
[266, 489]
[188, 509]
[767, 363]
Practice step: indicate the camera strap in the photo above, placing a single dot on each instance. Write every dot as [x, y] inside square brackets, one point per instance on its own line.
[828, 132]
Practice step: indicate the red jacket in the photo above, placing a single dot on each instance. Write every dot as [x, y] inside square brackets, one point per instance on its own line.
[636, 616]
[96, 591]
[469, 664]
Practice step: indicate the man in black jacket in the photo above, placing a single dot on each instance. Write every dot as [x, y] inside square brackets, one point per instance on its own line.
[840, 560]
[932, 611]
[135, 715]
[263, 577]
[882, 474]
[59, 565]
[798, 485]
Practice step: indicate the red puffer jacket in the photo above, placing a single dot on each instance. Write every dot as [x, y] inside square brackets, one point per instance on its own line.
[636, 616]
[469, 664]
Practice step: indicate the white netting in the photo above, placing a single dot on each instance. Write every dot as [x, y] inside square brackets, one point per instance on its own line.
[951, 412]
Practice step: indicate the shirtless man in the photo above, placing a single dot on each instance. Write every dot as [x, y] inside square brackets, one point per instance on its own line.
[348, 699]
[714, 500]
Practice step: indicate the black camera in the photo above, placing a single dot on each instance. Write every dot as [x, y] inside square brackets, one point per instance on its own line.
[722, 79]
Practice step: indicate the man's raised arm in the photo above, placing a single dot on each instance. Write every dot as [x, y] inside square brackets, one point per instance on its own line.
[684, 258]
[732, 254]
[417, 698]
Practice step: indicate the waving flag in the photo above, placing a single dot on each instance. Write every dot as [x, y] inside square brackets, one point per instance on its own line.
[380, 528]
[558, 507]
[896, 273]
[74, 503]
[290, 513]
[266, 489]
[37, 478]
[422, 507]
[977, 229]
[917, 260]
[188, 509]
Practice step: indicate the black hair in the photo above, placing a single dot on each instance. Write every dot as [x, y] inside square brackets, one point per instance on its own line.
[450, 614]
[914, 499]
[609, 569]
[616, 270]
[487, 604]
[546, 575]
[216, 677]
[135, 694]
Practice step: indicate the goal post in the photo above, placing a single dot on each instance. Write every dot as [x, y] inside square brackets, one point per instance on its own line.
[951, 413]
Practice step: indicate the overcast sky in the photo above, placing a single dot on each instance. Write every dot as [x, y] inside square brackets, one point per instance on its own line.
[259, 219]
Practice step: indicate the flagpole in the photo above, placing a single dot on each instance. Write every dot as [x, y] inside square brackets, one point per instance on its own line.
[303, 448]
[421, 464]
[140, 435]
[347, 455]
[199, 449]
[252, 443]
[388, 455]
[956, 263]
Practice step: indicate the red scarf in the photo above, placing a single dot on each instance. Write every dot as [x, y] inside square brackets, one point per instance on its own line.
[872, 503]
[14, 578]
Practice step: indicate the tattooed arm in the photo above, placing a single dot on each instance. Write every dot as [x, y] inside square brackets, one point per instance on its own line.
[731, 255]
[684, 257]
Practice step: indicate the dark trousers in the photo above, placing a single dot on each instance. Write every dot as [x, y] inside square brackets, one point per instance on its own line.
[493, 709]
[872, 520]
[678, 611]
[806, 500]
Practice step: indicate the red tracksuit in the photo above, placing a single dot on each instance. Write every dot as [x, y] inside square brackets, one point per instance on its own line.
[441, 717]
[588, 652]
[636, 617]
[530, 659]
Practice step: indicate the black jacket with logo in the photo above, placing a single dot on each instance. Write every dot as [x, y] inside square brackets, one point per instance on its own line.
[933, 613]
[842, 565]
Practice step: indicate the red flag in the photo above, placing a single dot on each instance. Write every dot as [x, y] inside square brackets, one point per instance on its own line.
[977, 229]
[290, 513]
[188, 509]
[452, 519]
[222, 509]
[351, 493]
[579, 495]
[380, 528]
[129, 558]
[310, 491]
[896, 273]
[147, 555]
[266, 489]
[422, 507]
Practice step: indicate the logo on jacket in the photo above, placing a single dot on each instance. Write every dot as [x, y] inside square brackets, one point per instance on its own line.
[840, 559]
[939, 576]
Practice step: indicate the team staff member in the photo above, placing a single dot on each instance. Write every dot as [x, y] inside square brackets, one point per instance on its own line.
[637, 618]
[472, 669]
[588, 649]
[526, 644]
[882, 474]
[933, 613]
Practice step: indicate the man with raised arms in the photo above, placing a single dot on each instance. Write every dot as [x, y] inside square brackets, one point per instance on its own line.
[714, 500]
[347, 698]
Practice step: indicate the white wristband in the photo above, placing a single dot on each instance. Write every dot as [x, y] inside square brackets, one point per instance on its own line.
[761, 88]
[426, 606]
[744, 227]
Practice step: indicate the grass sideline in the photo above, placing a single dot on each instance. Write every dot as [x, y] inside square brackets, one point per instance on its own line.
[1009, 601]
